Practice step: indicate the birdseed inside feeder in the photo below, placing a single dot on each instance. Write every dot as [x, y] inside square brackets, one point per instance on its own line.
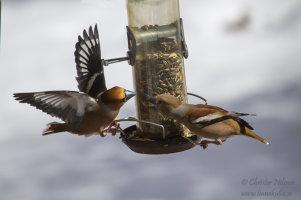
[156, 50]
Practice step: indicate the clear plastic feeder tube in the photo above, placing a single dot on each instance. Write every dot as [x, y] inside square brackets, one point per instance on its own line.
[158, 66]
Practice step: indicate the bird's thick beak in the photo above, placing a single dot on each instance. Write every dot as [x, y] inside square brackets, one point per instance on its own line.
[128, 94]
[153, 100]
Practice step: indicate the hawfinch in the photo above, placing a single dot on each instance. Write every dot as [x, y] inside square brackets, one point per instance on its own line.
[93, 108]
[205, 120]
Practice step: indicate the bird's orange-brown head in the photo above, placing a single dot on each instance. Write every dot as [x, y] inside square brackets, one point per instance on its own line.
[166, 103]
[115, 97]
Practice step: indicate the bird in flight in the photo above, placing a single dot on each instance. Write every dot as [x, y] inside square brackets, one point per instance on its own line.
[91, 109]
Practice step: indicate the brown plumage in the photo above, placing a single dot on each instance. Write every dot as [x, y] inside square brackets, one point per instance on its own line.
[206, 120]
[93, 108]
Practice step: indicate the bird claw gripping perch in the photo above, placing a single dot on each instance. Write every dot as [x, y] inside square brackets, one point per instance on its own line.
[204, 143]
[113, 128]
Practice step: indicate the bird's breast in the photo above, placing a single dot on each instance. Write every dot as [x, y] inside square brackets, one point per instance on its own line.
[215, 131]
[95, 121]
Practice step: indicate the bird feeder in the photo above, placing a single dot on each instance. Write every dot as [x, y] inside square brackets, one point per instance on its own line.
[157, 49]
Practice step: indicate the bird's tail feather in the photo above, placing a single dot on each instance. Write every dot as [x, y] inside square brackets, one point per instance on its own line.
[54, 127]
[238, 114]
[257, 137]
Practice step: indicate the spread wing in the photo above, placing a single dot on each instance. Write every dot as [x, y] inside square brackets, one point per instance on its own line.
[70, 106]
[90, 72]
[207, 115]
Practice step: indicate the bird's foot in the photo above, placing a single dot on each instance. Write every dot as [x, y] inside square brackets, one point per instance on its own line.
[113, 128]
[204, 143]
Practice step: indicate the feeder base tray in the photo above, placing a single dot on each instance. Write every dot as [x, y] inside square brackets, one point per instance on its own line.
[147, 146]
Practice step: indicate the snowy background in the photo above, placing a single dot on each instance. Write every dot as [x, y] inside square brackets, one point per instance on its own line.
[244, 55]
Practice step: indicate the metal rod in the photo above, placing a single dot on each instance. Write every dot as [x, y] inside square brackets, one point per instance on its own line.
[132, 119]
[195, 95]
[114, 60]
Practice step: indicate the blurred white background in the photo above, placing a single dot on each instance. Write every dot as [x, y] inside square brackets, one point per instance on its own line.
[244, 55]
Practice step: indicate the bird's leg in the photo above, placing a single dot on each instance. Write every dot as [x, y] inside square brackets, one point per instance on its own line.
[204, 143]
[113, 127]
[116, 126]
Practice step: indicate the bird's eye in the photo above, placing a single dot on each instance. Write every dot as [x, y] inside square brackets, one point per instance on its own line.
[159, 102]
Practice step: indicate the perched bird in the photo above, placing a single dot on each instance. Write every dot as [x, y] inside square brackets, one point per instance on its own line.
[205, 120]
[92, 109]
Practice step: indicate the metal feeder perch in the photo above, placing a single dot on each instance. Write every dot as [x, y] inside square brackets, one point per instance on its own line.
[156, 50]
